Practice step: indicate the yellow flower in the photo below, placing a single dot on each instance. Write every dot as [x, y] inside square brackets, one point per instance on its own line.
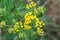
[26, 22]
[35, 16]
[37, 25]
[26, 27]
[41, 24]
[27, 6]
[40, 31]
[16, 23]
[41, 9]
[16, 26]
[27, 19]
[30, 13]
[35, 10]
[16, 30]
[37, 22]
[30, 21]
[37, 19]
[20, 23]
[32, 17]
[30, 6]
[34, 4]
[22, 26]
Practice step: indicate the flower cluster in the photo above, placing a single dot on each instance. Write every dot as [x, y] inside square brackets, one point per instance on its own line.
[40, 31]
[31, 21]
[41, 9]
[35, 11]
[16, 27]
[28, 20]
[30, 5]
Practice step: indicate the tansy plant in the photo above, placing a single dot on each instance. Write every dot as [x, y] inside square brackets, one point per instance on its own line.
[31, 26]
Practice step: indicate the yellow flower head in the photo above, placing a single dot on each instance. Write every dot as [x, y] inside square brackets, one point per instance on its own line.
[20, 23]
[34, 4]
[30, 5]
[41, 24]
[37, 19]
[40, 31]
[27, 6]
[16, 30]
[32, 17]
[35, 10]
[30, 13]
[35, 16]
[26, 27]
[41, 9]
[16, 27]
[17, 23]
